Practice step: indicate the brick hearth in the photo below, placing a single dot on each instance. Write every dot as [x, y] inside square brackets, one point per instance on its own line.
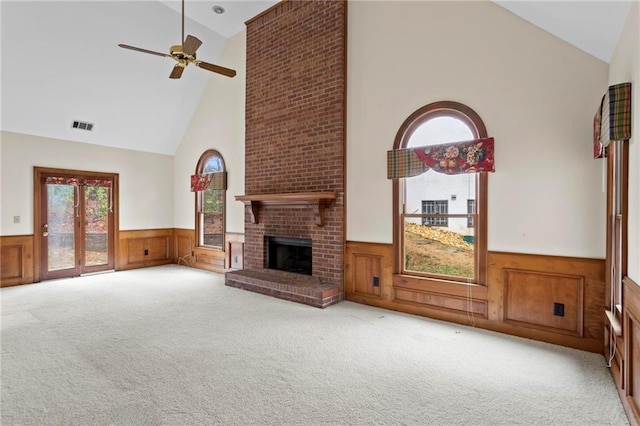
[286, 285]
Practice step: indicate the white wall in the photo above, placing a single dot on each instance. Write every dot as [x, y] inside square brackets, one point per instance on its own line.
[625, 66]
[218, 123]
[535, 93]
[146, 180]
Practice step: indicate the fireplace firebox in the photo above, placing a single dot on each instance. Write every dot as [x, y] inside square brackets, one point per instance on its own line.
[289, 254]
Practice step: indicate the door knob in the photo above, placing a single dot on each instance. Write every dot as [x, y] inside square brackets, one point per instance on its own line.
[45, 234]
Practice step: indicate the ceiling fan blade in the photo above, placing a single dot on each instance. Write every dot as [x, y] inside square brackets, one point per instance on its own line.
[190, 45]
[215, 68]
[137, 49]
[176, 72]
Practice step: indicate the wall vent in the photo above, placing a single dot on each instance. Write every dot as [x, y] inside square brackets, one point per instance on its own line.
[82, 125]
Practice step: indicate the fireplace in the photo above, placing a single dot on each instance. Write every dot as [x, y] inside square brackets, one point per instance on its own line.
[289, 254]
[294, 153]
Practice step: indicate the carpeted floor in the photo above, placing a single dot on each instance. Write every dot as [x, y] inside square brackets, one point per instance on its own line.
[173, 345]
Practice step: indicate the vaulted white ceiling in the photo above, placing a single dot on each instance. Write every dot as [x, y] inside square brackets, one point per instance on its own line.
[61, 61]
[593, 26]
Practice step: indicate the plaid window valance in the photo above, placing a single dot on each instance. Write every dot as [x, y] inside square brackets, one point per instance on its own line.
[449, 158]
[612, 121]
[209, 180]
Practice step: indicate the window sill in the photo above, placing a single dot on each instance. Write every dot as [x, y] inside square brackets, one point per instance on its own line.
[453, 288]
[209, 249]
[614, 323]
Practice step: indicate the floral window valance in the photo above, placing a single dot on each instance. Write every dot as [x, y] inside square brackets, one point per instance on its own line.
[97, 182]
[450, 158]
[612, 121]
[60, 180]
[77, 182]
[209, 181]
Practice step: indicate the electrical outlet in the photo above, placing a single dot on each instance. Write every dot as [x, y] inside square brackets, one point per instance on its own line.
[558, 309]
[16, 219]
[235, 259]
[146, 252]
[376, 281]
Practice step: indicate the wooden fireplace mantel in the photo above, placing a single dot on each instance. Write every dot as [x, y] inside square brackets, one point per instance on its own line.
[317, 201]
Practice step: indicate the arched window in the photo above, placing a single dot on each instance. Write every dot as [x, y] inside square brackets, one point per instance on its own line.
[440, 220]
[210, 204]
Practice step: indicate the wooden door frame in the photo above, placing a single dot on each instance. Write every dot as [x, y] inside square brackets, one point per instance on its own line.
[37, 210]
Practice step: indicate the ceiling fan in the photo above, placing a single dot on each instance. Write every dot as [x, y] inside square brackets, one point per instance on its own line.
[185, 54]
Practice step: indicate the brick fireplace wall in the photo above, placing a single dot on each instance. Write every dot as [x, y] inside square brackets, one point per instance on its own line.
[295, 126]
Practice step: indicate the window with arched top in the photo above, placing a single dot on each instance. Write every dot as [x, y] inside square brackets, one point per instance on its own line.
[210, 204]
[440, 220]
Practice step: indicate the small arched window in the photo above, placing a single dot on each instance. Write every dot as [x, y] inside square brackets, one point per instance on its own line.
[210, 204]
[441, 220]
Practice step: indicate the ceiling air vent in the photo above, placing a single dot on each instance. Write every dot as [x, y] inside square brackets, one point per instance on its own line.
[82, 125]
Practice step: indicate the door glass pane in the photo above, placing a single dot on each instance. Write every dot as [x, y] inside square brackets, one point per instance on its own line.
[60, 226]
[96, 225]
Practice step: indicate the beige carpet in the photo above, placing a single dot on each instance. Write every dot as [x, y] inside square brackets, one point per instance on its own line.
[173, 345]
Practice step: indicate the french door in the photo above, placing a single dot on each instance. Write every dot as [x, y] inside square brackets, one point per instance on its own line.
[75, 224]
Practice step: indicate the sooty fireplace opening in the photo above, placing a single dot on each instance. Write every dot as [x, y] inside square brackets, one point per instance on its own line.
[289, 254]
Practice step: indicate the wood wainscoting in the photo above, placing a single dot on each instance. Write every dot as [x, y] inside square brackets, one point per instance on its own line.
[628, 381]
[144, 248]
[548, 298]
[525, 289]
[186, 252]
[184, 242]
[208, 259]
[16, 253]
[136, 249]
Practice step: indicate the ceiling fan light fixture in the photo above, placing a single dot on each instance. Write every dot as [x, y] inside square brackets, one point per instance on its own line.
[218, 9]
[185, 53]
